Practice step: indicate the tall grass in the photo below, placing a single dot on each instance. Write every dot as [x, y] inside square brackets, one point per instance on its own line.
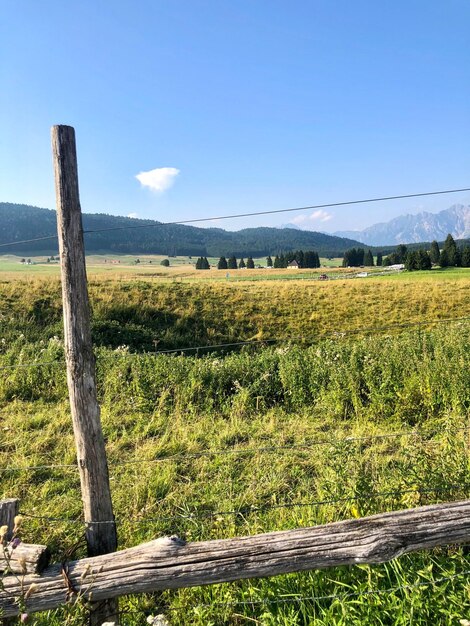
[190, 440]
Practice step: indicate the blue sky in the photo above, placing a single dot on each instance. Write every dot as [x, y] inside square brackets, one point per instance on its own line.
[250, 105]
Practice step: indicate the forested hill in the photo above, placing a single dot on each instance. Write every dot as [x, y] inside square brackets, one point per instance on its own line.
[20, 221]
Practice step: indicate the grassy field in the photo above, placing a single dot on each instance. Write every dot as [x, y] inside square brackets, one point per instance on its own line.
[231, 443]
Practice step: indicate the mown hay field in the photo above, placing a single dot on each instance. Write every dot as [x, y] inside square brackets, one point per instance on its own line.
[320, 426]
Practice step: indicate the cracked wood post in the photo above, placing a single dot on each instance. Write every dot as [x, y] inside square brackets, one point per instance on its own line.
[89, 441]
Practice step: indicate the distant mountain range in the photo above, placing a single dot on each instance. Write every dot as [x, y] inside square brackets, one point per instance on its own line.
[415, 228]
[20, 222]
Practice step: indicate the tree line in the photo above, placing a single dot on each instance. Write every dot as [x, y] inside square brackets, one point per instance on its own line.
[304, 259]
[451, 255]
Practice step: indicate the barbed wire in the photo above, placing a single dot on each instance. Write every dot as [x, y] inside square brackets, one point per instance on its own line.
[249, 214]
[247, 510]
[340, 333]
[304, 447]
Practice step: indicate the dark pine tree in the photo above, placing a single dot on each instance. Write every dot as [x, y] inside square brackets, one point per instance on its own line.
[444, 258]
[434, 252]
[250, 264]
[241, 264]
[300, 258]
[269, 262]
[452, 251]
[277, 262]
[424, 260]
[310, 259]
[411, 260]
[232, 263]
[222, 264]
[354, 257]
[401, 252]
[368, 259]
[379, 259]
[465, 257]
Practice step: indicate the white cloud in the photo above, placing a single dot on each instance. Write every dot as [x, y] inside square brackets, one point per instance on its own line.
[133, 215]
[317, 216]
[159, 179]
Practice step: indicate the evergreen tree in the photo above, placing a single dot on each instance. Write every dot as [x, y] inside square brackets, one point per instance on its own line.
[277, 262]
[379, 259]
[205, 264]
[354, 257]
[424, 260]
[222, 264]
[444, 258]
[199, 263]
[368, 259]
[452, 251]
[411, 261]
[434, 252]
[232, 263]
[300, 258]
[401, 253]
[282, 261]
[250, 264]
[269, 262]
[241, 264]
[164, 262]
[310, 259]
[465, 259]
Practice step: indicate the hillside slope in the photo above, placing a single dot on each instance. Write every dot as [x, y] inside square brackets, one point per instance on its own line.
[135, 236]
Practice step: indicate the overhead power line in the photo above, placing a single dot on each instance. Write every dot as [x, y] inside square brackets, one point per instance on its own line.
[250, 214]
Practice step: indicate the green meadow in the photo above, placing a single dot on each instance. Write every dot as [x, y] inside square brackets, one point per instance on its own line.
[353, 399]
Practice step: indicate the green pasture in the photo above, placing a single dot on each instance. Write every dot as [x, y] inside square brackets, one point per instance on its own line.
[320, 426]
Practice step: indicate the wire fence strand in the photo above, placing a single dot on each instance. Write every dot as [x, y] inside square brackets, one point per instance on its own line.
[303, 447]
[337, 334]
[248, 510]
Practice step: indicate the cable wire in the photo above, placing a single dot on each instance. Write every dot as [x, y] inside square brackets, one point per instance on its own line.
[247, 510]
[255, 342]
[250, 214]
[305, 447]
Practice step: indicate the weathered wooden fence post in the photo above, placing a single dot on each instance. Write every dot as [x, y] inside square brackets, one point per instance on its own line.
[8, 512]
[91, 455]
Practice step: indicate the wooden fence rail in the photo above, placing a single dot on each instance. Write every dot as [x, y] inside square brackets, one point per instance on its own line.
[170, 563]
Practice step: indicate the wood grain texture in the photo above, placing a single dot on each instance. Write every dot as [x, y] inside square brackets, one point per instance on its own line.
[89, 441]
[26, 558]
[169, 563]
[8, 511]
